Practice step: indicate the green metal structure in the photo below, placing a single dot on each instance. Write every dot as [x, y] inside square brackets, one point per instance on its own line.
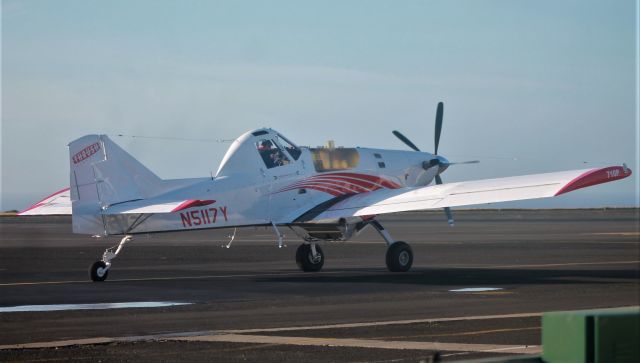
[591, 336]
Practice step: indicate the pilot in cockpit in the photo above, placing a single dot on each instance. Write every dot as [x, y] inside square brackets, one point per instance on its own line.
[271, 154]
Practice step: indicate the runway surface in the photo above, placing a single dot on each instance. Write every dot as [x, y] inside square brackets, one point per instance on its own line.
[250, 302]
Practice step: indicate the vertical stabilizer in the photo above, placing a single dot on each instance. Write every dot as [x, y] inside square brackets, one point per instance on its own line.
[103, 174]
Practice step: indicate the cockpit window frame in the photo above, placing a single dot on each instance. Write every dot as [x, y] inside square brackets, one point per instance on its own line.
[298, 151]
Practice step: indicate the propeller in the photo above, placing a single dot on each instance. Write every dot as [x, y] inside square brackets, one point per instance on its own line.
[447, 210]
[435, 162]
[405, 140]
[439, 112]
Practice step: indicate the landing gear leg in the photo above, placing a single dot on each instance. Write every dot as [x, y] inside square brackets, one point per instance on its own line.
[100, 269]
[232, 236]
[310, 257]
[280, 236]
[399, 256]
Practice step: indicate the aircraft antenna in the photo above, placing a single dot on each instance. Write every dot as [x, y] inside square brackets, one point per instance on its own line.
[176, 138]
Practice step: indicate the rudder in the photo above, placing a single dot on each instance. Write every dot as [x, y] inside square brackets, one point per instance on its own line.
[103, 174]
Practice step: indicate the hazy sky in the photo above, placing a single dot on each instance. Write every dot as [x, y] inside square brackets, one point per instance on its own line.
[550, 83]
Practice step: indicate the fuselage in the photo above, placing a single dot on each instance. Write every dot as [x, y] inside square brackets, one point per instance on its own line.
[265, 179]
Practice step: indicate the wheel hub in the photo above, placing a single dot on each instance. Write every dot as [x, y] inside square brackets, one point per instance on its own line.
[316, 259]
[403, 258]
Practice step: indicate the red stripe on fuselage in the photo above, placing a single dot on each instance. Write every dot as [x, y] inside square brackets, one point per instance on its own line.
[311, 185]
[345, 183]
[369, 186]
[378, 180]
[352, 185]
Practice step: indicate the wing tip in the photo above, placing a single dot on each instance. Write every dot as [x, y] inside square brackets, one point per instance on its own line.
[596, 176]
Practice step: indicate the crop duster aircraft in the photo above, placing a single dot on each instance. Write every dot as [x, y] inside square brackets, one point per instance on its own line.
[322, 194]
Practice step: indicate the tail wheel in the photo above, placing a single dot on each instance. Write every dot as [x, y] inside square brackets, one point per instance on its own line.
[98, 271]
[399, 257]
[307, 261]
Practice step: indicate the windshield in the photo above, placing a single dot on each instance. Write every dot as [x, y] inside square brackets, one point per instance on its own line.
[291, 148]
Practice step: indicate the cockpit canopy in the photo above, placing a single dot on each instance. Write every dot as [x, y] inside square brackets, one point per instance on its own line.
[258, 149]
[267, 149]
[275, 151]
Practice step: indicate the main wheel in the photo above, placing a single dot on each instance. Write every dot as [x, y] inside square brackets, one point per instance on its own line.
[98, 271]
[305, 259]
[399, 257]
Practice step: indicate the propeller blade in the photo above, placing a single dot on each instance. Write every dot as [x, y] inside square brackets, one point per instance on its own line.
[439, 112]
[405, 140]
[447, 210]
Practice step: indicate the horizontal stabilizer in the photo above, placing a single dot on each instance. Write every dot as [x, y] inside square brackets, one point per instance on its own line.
[156, 206]
[58, 203]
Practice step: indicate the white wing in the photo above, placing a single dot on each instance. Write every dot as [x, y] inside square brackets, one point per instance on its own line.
[57, 203]
[467, 193]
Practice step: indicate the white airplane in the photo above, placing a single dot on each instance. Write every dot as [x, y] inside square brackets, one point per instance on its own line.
[322, 194]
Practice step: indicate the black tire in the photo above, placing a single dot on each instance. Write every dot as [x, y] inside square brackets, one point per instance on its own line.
[98, 271]
[305, 260]
[399, 257]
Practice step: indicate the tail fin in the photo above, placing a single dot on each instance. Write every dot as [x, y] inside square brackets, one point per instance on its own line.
[103, 174]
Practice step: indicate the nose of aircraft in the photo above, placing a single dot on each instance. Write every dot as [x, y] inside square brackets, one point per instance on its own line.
[437, 160]
[442, 160]
[443, 163]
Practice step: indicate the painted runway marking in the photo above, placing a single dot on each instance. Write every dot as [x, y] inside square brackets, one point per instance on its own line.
[363, 343]
[101, 306]
[59, 343]
[238, 334]
[625, 234]
[383, 323]
[478, 332]
[477, 289]
[399, 322]
[303, 341]
[493, 293]
[562, 264]
[165, 278]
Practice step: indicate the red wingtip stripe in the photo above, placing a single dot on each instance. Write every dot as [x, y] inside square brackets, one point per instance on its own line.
[596, 176]
[192, 203]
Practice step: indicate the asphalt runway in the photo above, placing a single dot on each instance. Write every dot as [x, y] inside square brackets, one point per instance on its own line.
[250, 302]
